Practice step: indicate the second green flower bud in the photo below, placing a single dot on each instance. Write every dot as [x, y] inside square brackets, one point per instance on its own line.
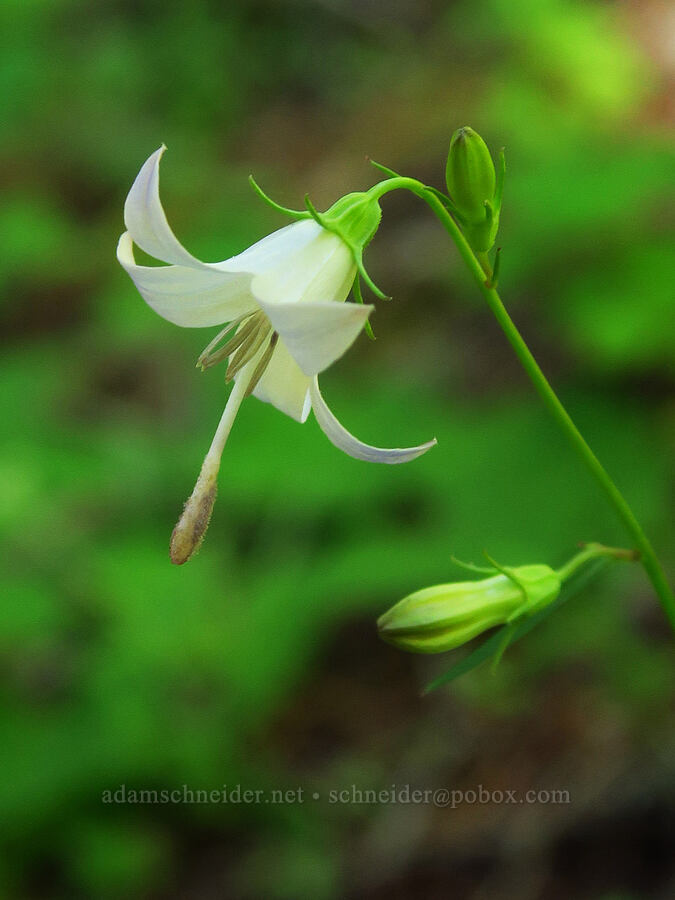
[440, 618]
[474, 188]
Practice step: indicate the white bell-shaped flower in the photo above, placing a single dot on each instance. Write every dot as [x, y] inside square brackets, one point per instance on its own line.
[283, 299]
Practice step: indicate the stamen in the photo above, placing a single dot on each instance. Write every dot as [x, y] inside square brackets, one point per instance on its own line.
[262, 364]
[221, 334]
[234, 343]
[247, 350]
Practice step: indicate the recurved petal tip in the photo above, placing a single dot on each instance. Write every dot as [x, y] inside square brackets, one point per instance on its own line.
[338, 435]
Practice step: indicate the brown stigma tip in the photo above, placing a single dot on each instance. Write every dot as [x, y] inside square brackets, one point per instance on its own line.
[187, 536]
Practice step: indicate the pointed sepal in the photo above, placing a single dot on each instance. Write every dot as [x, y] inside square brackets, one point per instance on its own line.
[296, 214]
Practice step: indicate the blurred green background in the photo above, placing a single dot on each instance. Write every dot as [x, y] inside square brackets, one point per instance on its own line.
[258, 663]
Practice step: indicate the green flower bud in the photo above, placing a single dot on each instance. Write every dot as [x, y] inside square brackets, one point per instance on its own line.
[473, 188]
[440, 618]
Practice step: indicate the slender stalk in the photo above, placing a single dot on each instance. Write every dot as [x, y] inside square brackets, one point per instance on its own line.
[649, 559]
[190, 528]
[237, 394]
[595, 551]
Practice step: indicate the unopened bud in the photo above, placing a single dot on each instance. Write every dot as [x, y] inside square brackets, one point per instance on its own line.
[440, 618]
[472, 186]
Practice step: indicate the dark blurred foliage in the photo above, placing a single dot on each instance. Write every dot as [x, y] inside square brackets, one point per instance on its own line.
[257, 664]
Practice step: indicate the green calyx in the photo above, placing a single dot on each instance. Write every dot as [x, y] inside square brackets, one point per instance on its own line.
[475, 188]
[354, 218]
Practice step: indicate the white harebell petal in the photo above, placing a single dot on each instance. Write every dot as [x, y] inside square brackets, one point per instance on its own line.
[338, 435]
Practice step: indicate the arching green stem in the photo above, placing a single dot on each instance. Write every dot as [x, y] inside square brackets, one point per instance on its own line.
[483, 279]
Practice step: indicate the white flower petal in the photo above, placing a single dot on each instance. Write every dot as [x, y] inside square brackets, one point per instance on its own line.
[316, 334]
[146, 221]
[346, 442]
[302, 262]
[189, 297]
[284, 385]
[275, 249]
